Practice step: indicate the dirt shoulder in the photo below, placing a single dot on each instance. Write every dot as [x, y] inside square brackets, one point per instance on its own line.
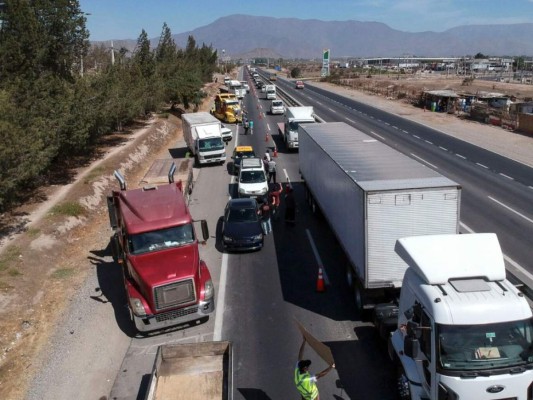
[510, 144]
[46, 257]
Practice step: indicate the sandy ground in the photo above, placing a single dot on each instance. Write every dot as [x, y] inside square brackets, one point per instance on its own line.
[44, 260]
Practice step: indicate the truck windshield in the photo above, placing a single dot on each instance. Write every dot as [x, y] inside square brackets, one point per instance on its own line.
[293, 125]
[253, 177]
[482, 347]
[211, 144]
[162, 239]
[232, 103]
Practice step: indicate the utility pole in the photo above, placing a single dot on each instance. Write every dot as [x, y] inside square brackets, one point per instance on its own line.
[112, 54]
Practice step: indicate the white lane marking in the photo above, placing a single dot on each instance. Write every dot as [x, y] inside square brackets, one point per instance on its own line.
[318, 102]
[507, 258]
[424, 161]
[395, 127]
[483, 166]
[460, 156]
[427, 141]
[415, 136]
[379, 136]
[221, 298]
[507, 176]
[386, 123]
[531, 187]
[404, 131]
[351, 120]
[332, 110]
[443, 148]
[317, 257]
[268, 127]
[510, 209]
[287, 176]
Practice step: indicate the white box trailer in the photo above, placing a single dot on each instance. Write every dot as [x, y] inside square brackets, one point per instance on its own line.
[371, 195]
[203, 135]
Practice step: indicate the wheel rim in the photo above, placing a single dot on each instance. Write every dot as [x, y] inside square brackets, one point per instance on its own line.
[403, 385]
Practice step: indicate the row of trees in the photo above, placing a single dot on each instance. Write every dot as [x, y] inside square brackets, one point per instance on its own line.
[53, 111]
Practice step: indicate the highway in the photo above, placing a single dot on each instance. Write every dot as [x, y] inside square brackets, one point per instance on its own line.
[259, 295]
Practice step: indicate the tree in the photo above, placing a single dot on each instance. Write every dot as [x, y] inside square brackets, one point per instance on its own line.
[480, 55]
[143, 57]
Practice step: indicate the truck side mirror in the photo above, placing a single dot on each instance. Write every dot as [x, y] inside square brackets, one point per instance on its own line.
[205, 230]
[411, 346]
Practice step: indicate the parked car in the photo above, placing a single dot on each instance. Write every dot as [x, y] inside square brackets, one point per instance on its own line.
[299, 85]
[277, 107]
[227, 133]
[239, 153]
[241, 228]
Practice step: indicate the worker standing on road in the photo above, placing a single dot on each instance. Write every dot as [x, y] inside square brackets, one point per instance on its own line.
[304, 381]
[251, 124]
[271, 170]
[246, 124]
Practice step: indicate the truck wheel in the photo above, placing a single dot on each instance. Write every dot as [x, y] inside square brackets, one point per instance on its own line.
[358, 298]
[404, 392]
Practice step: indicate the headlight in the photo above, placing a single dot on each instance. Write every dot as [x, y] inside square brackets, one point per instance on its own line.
[227, 238]
[209, 289]
[137, 307]
[242, 190]
[257, 237]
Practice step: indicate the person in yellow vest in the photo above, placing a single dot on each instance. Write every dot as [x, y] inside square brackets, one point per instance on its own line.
[304, 381]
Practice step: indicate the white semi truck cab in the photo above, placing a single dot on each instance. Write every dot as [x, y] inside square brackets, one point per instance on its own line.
[464, 331]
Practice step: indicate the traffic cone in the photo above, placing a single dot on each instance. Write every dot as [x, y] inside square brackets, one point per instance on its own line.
[320, 286]
[275, 154]
[267, 137]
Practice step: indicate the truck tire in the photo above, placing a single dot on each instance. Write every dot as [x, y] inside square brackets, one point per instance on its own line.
[359, 298]
[350, 275]
[402, 384]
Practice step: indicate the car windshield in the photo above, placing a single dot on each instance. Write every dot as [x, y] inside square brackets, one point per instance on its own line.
[277, 104]
[211, 144]
[162, 239]
[481, 347]
[243, 154]
[242, 215]
[252, 177]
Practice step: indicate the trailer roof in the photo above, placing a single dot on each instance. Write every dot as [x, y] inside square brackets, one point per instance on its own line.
[370, 163]
[199, 118]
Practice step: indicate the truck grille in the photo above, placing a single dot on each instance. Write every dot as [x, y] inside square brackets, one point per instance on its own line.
[180, 312]
[174, 294]
[213, 156]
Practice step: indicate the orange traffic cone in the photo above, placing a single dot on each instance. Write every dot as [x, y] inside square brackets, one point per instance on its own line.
[320, 287]
[275, 154]
[267, 138]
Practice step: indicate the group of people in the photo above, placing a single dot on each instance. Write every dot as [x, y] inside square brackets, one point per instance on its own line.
[270, 167]
[269, 205]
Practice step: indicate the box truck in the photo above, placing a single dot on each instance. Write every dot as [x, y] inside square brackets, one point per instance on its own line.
[295, 116]
[371, 195]
[203, 135]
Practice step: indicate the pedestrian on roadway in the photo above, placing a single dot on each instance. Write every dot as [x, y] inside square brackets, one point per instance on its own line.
[290, 206]
[271, 170]
[265, 215]
[304, 381]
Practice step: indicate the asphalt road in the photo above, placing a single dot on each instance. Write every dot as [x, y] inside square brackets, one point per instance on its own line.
[261, 294]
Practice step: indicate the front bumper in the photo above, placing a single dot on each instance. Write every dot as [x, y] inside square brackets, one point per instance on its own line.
[212, 160]
[244, 245]
[292, 145]
[174, 317]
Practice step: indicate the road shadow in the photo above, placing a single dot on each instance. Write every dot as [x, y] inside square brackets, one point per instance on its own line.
[298, 266]
[253, 394]
[111, 287]
[364, 373]
[144, 387]
[179, 152]
[218, 241]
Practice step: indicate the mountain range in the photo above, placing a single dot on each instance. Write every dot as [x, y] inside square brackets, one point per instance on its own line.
[244, 36]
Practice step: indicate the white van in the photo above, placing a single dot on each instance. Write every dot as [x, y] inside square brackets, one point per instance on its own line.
[252, 178]
[277, 107]
[270, 92]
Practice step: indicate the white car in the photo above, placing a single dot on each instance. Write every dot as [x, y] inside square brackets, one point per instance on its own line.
[227, 133]
[252, 178]
[246, 86]
[277, 107]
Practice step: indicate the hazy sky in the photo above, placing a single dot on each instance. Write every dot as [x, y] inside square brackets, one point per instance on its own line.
[124, 19]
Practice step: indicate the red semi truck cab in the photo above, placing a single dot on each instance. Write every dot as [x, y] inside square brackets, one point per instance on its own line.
[155, 242]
